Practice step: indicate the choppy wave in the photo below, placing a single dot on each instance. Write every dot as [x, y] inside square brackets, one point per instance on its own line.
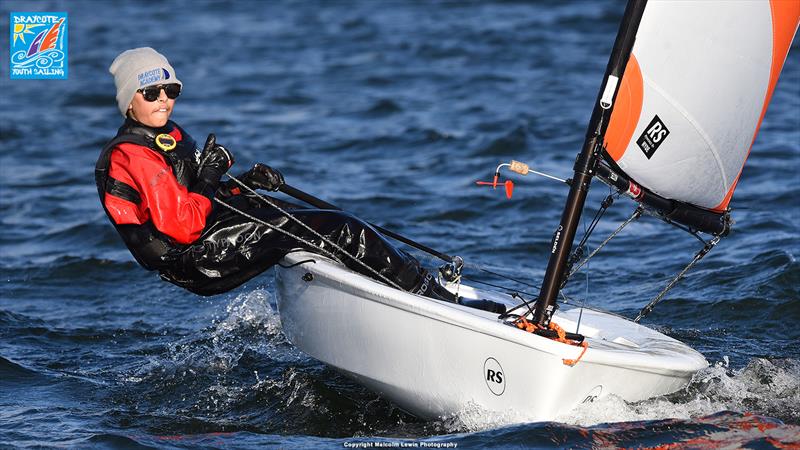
[722, 430]
[763, 387]
[241, 375]
[11, 372]
[220, 368]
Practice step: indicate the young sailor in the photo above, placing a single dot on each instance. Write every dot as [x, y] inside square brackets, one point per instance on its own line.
[158, 190]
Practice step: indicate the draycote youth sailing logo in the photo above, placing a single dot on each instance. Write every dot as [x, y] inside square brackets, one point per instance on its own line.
[38, 45]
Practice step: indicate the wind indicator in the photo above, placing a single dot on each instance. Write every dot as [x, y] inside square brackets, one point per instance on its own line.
[508, 184]
[516, 167]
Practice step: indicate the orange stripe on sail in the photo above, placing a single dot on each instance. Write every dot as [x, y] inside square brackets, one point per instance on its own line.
[627, 108]
[785, 18]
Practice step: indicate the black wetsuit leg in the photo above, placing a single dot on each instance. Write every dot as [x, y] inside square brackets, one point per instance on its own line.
[234, 248]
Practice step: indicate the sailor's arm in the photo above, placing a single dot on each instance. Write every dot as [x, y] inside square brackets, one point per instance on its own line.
[174, 210]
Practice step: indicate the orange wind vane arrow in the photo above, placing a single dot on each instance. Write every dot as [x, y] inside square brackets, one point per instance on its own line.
[514, 166]
[508, 184]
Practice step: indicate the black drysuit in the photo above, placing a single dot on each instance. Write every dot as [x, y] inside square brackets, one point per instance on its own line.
[233, 248]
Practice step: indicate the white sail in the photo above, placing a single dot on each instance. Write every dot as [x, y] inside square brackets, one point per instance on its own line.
[694, 92]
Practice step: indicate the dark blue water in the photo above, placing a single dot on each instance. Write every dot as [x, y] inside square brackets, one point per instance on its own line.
[392, 110]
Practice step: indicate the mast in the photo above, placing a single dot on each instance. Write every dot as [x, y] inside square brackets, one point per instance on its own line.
[586, 161]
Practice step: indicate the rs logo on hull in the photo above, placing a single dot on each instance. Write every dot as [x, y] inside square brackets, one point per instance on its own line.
[494, 376]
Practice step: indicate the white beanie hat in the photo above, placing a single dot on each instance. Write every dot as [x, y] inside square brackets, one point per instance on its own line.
[138, 68]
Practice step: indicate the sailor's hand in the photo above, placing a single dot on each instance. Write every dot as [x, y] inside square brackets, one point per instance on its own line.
[263, 177]
[215, 157]
[215, 160]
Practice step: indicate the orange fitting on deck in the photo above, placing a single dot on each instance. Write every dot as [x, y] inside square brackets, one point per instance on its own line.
[572, 362]
[523, 324]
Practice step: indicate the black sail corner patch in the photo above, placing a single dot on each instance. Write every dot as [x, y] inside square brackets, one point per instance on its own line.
[654, 135]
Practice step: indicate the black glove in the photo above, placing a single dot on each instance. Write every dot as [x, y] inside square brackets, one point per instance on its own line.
[215, 160]
[262, 177]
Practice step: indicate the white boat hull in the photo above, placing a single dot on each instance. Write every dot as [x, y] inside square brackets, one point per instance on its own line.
[436, 359]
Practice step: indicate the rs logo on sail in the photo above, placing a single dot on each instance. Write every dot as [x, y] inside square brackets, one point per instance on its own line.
[654, 135]
[657, 132]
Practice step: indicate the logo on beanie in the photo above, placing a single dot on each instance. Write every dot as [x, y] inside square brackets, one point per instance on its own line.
[38, 45]
[153, 76]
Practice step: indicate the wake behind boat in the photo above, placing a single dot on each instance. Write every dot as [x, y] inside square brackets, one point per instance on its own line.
[684, 92]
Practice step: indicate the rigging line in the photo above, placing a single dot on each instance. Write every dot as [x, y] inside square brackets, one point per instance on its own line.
[275, 228]
[299, 222]
[510, 311]
[547, 176]
[607, 202]
[568, 301]
[577, 254]
[703, 252]
[583, 304]
[694, 233]
[498, 286]
[636, 214]
[516, 294]
[580, 312]
[289, 266]
[481, 268]
[500, 275]
[476, 266]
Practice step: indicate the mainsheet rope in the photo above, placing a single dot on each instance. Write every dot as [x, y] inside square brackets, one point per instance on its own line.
[299, 238]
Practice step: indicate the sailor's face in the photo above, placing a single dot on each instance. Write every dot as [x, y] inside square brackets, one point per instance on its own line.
[153, 114]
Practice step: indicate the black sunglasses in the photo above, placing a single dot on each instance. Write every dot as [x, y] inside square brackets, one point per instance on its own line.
[151, 93]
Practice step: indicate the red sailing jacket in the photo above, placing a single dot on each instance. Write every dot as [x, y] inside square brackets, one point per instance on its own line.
[174, 210]
[170, 206]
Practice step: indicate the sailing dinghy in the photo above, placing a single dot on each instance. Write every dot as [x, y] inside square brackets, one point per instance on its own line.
[684, 93]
